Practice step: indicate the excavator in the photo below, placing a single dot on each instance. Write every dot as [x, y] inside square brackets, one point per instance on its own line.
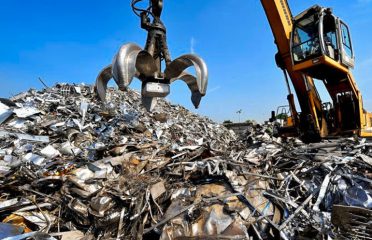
[312, 46]
[316, 46]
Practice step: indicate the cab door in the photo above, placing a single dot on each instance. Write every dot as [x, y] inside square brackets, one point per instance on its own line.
[345, 45]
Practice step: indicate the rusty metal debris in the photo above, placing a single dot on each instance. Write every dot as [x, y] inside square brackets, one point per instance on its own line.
[352, 222]
[73, 167]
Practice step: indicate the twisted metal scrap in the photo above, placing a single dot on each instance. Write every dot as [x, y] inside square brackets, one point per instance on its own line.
[133, 62]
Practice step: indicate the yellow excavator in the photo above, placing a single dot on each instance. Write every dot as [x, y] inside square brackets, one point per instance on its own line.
[316, 44]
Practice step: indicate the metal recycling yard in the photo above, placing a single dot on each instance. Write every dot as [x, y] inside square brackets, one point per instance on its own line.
[100, 162]
[73, 168]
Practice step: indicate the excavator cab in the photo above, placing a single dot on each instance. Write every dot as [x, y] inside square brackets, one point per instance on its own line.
[321, 44]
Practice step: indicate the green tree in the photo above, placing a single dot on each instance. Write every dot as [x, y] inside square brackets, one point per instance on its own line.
[282, 116]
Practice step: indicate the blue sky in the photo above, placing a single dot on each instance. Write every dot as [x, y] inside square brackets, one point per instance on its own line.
[71, 40]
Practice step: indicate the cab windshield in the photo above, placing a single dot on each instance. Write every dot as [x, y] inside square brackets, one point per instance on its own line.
[305, 39]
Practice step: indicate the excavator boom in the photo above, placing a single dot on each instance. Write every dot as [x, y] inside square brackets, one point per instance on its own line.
[281, 23]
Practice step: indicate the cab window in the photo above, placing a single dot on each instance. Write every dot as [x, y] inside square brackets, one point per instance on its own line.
[330, 37]
[305, 40]
[346, 42]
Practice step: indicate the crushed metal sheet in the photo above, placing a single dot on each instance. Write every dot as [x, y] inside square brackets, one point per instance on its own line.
[50, 152]
[157, 190]
[25, 112]
[5, 112]
[28, 137]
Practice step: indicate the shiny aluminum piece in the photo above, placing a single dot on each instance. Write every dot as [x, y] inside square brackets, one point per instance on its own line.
[99, 206]
[133, 62]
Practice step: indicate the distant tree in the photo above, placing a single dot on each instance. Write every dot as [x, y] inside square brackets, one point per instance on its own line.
[227, 122]
[239, 112]
[282, 116]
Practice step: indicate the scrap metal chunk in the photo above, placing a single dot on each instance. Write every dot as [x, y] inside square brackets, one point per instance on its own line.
[352, 222]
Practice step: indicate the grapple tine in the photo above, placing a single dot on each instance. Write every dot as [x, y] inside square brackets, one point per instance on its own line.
[191, 82]
[124, 65]
[149, 103]
[175, 69]
[145, 64]
[101, 82]
[197, 85]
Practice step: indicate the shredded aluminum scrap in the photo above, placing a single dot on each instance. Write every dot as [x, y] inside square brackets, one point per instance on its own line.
[72, 167]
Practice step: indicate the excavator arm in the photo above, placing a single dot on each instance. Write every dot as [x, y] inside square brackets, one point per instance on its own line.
[309, 122]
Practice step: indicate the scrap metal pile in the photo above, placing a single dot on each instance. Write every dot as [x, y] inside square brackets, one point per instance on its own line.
[72, 167]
